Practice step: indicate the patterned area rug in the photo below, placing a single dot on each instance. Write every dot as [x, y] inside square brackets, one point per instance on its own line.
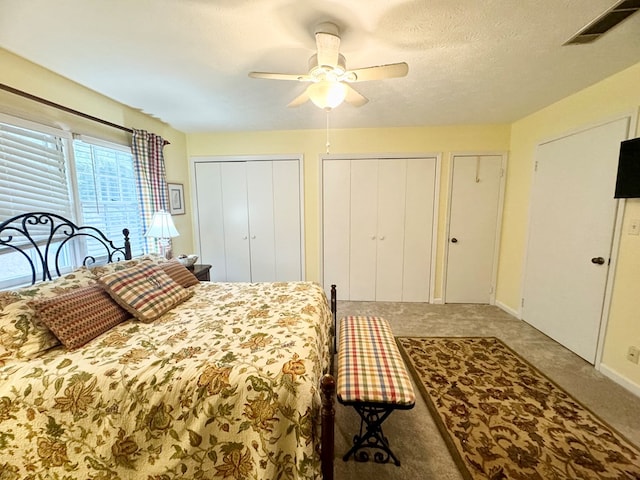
[503, 419]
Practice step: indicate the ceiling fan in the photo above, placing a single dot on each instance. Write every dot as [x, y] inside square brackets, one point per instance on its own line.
[329, 76]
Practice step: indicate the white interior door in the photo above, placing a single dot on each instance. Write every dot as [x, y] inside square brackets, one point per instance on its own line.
[473, 227]
[570, 235]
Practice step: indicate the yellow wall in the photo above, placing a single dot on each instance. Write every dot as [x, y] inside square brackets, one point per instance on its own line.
[615, 96]
[311, 143]
[28, 77]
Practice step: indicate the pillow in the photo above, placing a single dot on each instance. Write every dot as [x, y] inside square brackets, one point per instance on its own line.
[145, 291]
[179, 273]
[22, 334]
[107, 268]
[80, 315]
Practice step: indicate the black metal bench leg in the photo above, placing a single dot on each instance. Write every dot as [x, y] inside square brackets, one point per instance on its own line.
[372, 417]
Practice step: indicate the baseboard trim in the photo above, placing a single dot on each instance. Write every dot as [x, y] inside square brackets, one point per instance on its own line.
[620, 379]
[437, 301]
[508, 309]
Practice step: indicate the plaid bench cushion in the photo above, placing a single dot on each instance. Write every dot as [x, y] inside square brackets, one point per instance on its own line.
[370, 368]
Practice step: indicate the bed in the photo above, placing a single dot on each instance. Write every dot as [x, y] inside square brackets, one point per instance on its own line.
[231, 382]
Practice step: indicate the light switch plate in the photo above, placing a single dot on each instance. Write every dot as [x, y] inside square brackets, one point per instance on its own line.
[634, 227]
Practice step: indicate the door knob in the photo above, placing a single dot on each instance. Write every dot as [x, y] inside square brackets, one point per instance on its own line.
[454, 240]
[598, 260]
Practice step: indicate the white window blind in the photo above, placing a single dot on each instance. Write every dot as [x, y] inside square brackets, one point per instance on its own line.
[107, 192]
[33, 176]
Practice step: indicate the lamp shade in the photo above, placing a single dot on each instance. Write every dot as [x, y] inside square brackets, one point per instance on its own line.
[162, 226]
[327, 94]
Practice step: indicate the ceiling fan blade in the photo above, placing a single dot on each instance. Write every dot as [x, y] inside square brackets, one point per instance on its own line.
[328, 44]
[392, 70]
[354, 98]
[299, 100]
[303, 77]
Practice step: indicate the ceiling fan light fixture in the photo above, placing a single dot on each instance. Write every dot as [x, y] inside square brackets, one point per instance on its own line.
[328, 75]
[326, 94]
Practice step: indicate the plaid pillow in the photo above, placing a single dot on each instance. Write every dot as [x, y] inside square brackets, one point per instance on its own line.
[179, 273]
[80, 315]
[144, 290]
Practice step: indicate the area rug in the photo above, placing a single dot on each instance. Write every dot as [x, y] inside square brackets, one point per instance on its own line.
[503, 419]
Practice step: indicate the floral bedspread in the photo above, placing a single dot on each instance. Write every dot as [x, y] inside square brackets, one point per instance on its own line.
[224, 386]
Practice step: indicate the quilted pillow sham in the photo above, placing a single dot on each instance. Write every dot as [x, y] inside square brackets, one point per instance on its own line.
[179, 273]
[145, 291]
[80, 315]
[106, 269]
[22, 334]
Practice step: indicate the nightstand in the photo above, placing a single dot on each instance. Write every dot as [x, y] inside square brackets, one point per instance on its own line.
[201, 272]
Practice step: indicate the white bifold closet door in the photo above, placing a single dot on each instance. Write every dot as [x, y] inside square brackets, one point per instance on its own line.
[234, 219]
[262, 248]
[378, 228]
[249, 219]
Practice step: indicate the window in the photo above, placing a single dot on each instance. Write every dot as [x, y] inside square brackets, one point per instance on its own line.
[107, 192]
[33, 178]
[33, 173]
[86, 180]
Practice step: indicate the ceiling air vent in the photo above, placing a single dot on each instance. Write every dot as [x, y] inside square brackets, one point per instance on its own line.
[605, 22]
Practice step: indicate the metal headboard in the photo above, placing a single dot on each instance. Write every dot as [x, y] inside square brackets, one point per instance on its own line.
[47, 234]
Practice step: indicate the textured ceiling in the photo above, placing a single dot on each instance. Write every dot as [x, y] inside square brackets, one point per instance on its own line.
[186, 61]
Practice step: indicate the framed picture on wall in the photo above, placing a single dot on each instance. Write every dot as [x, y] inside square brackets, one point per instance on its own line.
[176, 198]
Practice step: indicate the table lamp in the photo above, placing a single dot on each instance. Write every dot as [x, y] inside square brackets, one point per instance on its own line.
[163, 229]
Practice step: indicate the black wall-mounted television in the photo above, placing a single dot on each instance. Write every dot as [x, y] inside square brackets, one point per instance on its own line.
[628, 180]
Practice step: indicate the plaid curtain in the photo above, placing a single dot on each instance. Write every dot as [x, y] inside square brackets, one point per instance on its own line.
[148, 162]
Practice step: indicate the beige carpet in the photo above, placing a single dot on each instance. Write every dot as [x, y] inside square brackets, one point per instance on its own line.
[501, 418]
[413, 434]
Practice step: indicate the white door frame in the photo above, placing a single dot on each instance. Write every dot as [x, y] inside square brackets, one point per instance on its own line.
[632, 116]
[382, 156]
[496, 251]
[248, 158]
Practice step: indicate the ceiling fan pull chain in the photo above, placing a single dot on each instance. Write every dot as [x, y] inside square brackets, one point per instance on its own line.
[328, 144]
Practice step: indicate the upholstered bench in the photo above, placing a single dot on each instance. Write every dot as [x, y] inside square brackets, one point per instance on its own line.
[372, 378]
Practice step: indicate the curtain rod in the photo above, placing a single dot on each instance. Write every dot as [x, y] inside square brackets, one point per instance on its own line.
[62, 107]
[65, 109]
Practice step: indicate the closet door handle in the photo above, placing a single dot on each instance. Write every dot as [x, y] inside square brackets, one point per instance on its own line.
[382, 237]
[244, 237]
[373, 237]
[253, 237]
